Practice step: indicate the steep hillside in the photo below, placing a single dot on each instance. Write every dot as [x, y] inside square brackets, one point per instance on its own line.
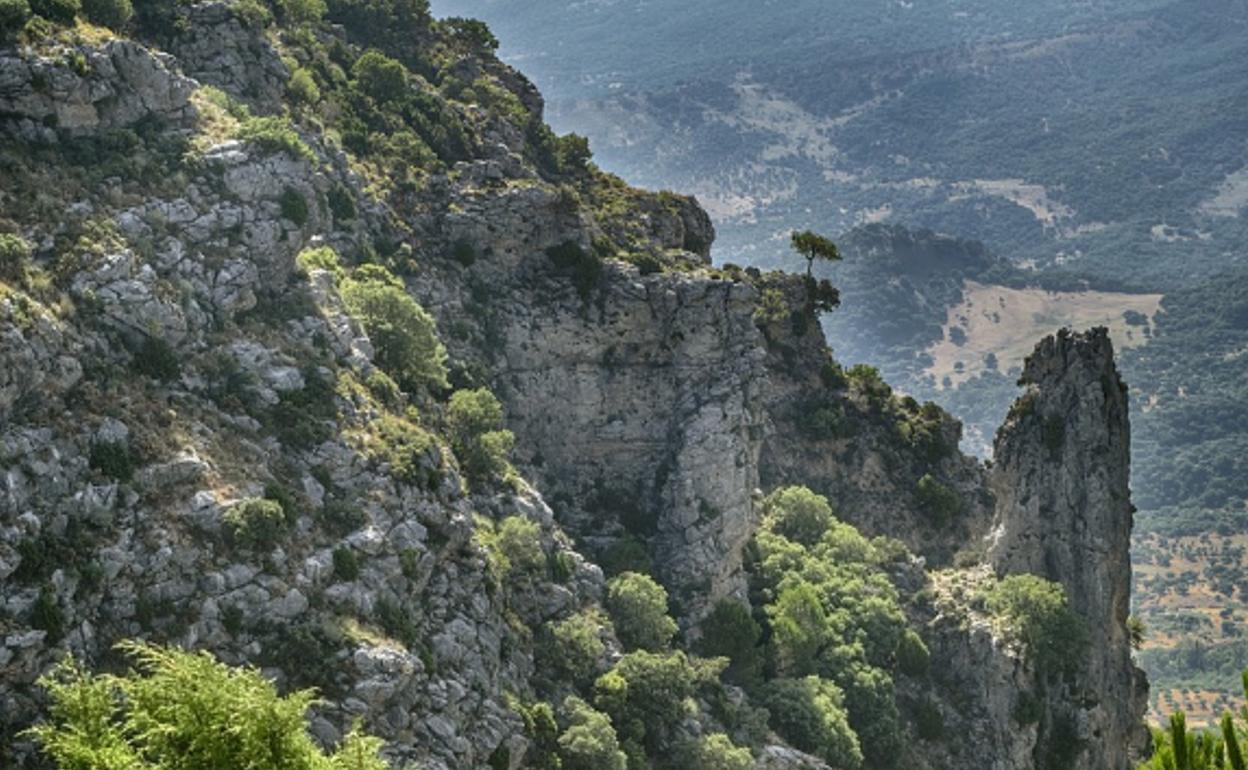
[322, 353]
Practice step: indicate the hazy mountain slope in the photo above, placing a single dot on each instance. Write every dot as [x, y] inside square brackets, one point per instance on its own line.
[1110, 134]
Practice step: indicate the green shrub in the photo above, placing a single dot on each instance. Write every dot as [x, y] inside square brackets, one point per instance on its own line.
[341, 203]
[798, 514]
[474, 419]
[520, 542]
[321, 258]
[113, 14]
[941, 503]
[256, 524]
[346, 564]
[300, 11]
[628, 554]
[275, 134]
[14, 250]
[1035, 612]
[464, 252]
[475, 32]
[178, 709]
[403, 333]
[157, 359]
[408, 449]
[572, 153]
[575, 647]
[294, 206]
[59, 11]
[302, 87]
[397, 622]
[645, 694]
[584, 267]
[46, 616]
[810, 714]
[589, 742]
[913, 657]
[340, 518]
[715, 752]
[382, 78]
[638, 607]
[929, 721]
[254, 13]
[114, 459]
[729, 631]
[13, 16]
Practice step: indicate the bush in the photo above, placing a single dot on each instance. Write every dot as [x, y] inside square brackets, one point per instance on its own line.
[575, 646]
[628, 554]
[156, 358]
[638, 606]
[294, 206]
[301, 11]
[59, 11]
[940, 502]
[379, 76]
[403, 332]
[13, 16]
[14, 250]
[913, 657]
[179, 709]
[473, 419]
[645, 694]
[729, 631]
[716, 752]
[113, 14]
[589, 742]
[475, 32]
[798, 514]
[810, 714]
[322, 258]
[256, 524]
[46, 616]
[584, 267]
[572, 153]
[408, 449]
[302, 87]
[275, 134]
[929, 721]
[346, 564]
[341, 203]
[1035, 612]
[114, 459]
[520, 542]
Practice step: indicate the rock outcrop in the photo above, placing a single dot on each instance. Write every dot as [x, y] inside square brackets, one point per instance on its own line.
[85, 91]
[1064, 513]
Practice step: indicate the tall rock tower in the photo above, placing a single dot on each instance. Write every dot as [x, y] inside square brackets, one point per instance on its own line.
[1064, 513]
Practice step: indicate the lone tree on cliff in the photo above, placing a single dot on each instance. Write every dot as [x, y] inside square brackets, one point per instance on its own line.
[813, 246]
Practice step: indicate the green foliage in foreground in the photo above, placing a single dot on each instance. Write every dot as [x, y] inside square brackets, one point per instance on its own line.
[1177, 748]
[184, 711]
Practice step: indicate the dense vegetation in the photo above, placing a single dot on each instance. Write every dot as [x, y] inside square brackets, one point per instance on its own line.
[184, 711]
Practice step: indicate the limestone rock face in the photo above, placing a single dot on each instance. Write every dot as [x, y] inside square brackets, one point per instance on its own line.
[90, 89]
[1064, 513]
[645, 407]
[219, 49]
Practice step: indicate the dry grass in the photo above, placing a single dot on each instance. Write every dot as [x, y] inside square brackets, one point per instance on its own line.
[1007, 322]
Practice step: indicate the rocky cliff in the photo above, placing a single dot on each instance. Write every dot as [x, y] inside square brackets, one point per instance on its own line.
[1064, 512]
[209, 439]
